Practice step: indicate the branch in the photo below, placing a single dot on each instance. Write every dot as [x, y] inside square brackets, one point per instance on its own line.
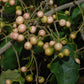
[5, 47]
[71, 4]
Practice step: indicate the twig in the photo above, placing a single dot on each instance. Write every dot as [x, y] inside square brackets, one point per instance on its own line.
[16, 56]
[71, 4]
[48, 78]
[79, 49]
[6, 46]
[81, 69]
[36, 66]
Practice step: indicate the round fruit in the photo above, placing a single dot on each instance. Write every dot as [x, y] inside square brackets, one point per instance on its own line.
[4, 1]
[26, 16]
[33, 29]
[67, 12]
[46, 45]
[41, 79]
[12, 2]
[55, 5]
[33, 40]
[18, 8]
[29, 78]
[66, 52]
[27, 45]
[68, 24]
[63, 42]
[54, 16]
[40, 14]
[2, 24]
[18, 12]
[72, 35]
[48, 51]
[40, 43]
[14, 35]
[8, 82]
[44, 19]
[19, 20]
[14, 25]
[20, 38]
[31, 7]
[60, 55]
[48, 65]
[41, 32]
[62, 22]
[51, 2]
[22, 28]
[50, 20]
[77, 60]
[52, 43]
[0, 30]
[23, 69]
[58, 46]
[15, 30]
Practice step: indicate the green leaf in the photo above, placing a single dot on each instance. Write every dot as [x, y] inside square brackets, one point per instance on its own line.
[76, 12]
[53, 80]
[10, 60]
[66, 69]
[13, 75]
[10, 9]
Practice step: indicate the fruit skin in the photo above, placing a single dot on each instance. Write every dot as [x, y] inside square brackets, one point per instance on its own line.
[54, 16]
[40, 43]
[8, 82]
[22, 28]
[19, 20]
[41, 79]
[51, 43]
[66, 52]
[13, 35]
[28, 45]
[77, 60]
[29, 78]
[50, 20]
[60, 55]
[62, 22]
[44, 19]
[63, 42]
[4, 1]
[26, 16]
[40, 14]
[14, 25]
[2, 24]
[46, 45]
[23, 69]
[68, 24]
[51, 2]
[18, 8]
[48, 51]
[41, 32]
[33, 40]
[33, 29]
[18, 12]
[12, 2]
[73, 35]
[15, 30]
[48, 65]
[58, 46]
[67, 12]
[20, 38]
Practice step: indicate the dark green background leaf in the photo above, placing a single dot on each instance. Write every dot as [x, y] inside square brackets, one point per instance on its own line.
[66, 69]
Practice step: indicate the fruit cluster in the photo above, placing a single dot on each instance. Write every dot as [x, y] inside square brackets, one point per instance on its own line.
[33, 31]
